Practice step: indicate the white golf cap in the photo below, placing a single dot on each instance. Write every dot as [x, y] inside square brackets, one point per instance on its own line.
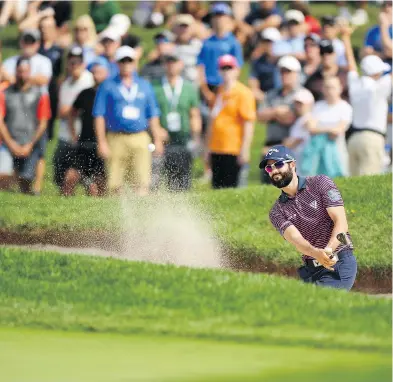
[111, 34]
[290, 63]
[125, 52]
[304, 96]
[271, 34]
[372, 65]
[121, 23]
[294, 15]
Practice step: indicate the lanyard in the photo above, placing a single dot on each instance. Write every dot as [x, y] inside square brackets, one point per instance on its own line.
[172, 97]
[129, 95]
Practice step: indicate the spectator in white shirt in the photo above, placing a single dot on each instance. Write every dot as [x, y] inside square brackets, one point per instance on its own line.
[369, 95]
[331, 118]
[298, 133]
[78, 79]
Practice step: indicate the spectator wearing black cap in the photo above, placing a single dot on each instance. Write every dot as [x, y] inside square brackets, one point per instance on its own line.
[264, 73]
[330, 30]
[378, 39]
[178, 100]
[78, 79]
[51, 50]
[313, 56]
[293, 43]
[328, 68]
[40, 66]
[88, 166]
[155, 68]
[24, 112]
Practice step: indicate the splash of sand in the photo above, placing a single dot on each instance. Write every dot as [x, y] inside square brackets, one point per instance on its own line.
[168, 228]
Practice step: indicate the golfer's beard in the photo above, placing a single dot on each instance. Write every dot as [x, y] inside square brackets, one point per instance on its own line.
[286, 178]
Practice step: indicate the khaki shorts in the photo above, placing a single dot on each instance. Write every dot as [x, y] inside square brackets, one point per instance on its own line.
[130, 160]
[366, 150]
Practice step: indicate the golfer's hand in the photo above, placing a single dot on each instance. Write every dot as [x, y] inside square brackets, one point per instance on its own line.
[324, 259]
[103, 150]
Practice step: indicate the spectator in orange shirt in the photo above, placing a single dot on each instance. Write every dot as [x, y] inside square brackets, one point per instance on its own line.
[231, 127]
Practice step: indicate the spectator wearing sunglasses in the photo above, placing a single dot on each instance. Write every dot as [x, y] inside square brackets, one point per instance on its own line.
[125, 110]
[231, 129]
[328, 68]
[277, 109]
[309, 214]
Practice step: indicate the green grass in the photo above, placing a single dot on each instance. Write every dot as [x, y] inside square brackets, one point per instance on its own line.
[80, 293]
[64, 357]
[239, 217]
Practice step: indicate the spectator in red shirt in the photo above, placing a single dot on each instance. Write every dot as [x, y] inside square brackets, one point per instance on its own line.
[24, 115]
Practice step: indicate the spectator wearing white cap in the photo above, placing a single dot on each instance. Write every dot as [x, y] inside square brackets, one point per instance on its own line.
[78, 79]
[110, 39]
[277, 109]
[303, 102]
[293, 44]
[125, 109]
[369, 95]
[264, 73]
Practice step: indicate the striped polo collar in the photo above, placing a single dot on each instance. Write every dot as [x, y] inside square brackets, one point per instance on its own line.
[301, 185]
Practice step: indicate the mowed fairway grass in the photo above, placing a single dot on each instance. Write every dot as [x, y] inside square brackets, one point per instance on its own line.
[76, 318]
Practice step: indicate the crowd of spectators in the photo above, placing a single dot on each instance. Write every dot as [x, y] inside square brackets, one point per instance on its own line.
[127, 116]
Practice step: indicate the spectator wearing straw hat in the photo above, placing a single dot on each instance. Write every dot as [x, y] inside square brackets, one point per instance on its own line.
[264, 73]
[369, 95]
[125, 109]
[231, 129]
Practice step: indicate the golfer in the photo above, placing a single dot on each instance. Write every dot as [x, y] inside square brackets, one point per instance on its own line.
[309, 214]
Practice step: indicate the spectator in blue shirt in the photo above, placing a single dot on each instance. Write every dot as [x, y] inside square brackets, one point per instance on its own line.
[264, 73]
[110, 40]
[293, 44]
[125, 109]
[220, 43]
[378, 39]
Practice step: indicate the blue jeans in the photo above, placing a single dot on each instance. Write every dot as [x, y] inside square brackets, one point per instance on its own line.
[343, 276]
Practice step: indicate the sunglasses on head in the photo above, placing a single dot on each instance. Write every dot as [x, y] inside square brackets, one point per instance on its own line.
[227, 67]
[278, 165]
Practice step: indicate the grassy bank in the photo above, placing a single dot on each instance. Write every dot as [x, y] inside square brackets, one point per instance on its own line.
[62, 357]
[239, 217]
[77, 293]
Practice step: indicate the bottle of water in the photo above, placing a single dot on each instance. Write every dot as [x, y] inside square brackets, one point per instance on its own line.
[243, 176]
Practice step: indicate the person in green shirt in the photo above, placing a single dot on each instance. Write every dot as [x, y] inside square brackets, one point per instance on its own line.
[179, 102]
[101, 12]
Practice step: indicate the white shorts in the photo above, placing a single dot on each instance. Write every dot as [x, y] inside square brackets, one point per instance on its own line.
[6, 161]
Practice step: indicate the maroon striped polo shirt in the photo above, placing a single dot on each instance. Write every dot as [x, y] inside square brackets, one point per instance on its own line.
[307, 211]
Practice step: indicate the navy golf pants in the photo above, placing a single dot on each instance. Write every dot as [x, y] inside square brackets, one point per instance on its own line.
[343, 276]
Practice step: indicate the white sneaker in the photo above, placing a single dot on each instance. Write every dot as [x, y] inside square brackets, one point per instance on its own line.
[360, 17]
